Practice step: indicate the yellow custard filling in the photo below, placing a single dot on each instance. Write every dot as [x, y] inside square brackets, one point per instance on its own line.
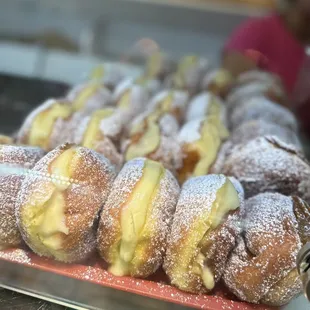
[44, 122]
[46, 220]
[134, 216]
[124, 101]
[93, 132]
[148, 142]
[226, 200]
[85, 95]
[212, 133]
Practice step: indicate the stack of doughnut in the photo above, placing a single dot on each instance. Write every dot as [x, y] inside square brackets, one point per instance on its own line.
[185, 169]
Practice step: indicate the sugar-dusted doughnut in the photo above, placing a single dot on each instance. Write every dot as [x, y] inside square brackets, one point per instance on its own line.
[262, 268]
[206, 104]
[14, 164]
[154, 136]
[136, 218]
[130, 98]
[261, 108]
[200, 142]
[59, 202]
[89, 96]
[204, 232]
[266, 164]
[218, 82]
[170, 101]
[45, 125]
[258, 128]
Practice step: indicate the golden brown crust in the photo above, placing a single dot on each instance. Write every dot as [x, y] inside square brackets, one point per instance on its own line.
[90, 182]
[262, 268]
[151, 250]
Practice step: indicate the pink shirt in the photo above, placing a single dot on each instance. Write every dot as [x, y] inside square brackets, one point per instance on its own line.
[269, 43]
[275, 49]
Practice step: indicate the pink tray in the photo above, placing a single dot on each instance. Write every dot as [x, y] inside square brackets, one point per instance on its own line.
[155, 287]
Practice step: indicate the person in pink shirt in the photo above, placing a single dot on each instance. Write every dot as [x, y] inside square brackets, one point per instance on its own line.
[277, 43]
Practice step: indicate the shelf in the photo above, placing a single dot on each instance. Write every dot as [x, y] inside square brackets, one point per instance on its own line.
[236, 7]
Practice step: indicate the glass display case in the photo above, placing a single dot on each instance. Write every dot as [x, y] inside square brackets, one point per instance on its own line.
[125, 179]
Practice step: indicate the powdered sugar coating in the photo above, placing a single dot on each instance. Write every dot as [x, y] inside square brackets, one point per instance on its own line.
[98, 100]
[199, 106]
[261, 108]
[22, 135]
[257, 76]
[267, 253]
[178, 104]
[257, 128]
[138, 98]
[156, 227]
[168, 153]
[268, 164]
[195, 203]
[167, 122]
[217, 81]
[191, 131]
[89, 184]
[193, 75]
[168, 125]
[14, 164]
[197, 196]
[110, 126]
[224, 151]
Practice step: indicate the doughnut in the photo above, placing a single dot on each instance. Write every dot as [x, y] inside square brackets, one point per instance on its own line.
[262, 268]
[130, 97]
[257, 128]
[88, 97]
[154, 136]
[97, 132]
[44, 126]
[5, 139]
[266, 164]
[153, 86]
[242, 93]
[258, 76]
[200, 142]
[190, 71]
[261, 108]
[158, 66]
[203, 233]
[59, 202]
[218, 82]
[206, 104]
[107, 76]
[14, 163]
[170, 101]
[136, 218]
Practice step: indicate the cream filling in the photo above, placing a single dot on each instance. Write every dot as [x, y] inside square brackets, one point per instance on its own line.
[147, 144]
[43, 124]
[226, 200]
[93, 132]
[212, 133]
[134, 216]
[124, 101]
[46, 222]
[85, 95]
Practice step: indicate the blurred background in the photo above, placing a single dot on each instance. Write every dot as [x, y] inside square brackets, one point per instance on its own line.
[62, 39]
